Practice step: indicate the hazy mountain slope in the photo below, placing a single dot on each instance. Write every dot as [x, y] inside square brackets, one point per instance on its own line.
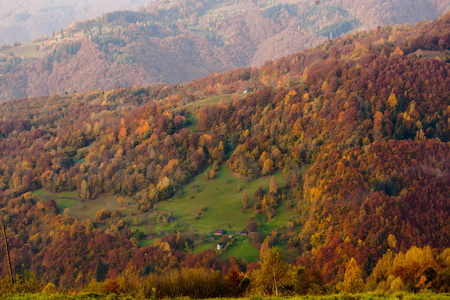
[26, 20]
[176, 41]
[381, 12]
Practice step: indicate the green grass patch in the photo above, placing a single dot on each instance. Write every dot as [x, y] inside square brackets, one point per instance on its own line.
[191, 107]
[140, 228]
[191, 121]
[222, 203]
[145, 242]
[205, 246]
[79, 161]
[86, 209]
[242, 248]
[212, 101]
[63, 200]
[220, 198]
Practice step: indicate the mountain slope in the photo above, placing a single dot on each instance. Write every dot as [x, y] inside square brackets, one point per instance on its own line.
[27, 20]
[366, 114]
[175, 41]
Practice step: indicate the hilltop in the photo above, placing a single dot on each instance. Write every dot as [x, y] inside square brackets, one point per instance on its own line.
[29, 19]
[177, 41]
[342, 150]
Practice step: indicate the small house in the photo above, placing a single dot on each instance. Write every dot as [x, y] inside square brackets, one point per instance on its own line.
[211, 237]
[219, 232]
[244, 232]
[220, 246]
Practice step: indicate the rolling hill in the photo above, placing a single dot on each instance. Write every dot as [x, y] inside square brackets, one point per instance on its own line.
[177, 41]
[27, 20]
[342, 150]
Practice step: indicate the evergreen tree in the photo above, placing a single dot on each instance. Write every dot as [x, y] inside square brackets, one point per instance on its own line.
[101, 271]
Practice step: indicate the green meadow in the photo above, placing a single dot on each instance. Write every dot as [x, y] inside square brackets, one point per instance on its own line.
[197, 209]
[193, 106]
[221, 200]
[205, 205]
[86, 209]
[224, 99]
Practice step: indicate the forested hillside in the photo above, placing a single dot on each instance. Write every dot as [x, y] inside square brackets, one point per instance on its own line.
[29, 19]
[366, 116]
[176, 41]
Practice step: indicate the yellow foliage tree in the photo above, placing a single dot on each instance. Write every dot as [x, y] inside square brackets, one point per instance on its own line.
[392, 241]
[353, 281]
[273, 276]
[267, 167]
[120, 200]
[392, 101]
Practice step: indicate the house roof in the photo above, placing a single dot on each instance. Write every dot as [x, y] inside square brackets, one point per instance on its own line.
[219, 230]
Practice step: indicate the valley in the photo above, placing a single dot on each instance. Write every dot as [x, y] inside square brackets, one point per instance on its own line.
[333, 159]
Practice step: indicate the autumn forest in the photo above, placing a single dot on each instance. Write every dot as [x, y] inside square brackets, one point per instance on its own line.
[351, 139]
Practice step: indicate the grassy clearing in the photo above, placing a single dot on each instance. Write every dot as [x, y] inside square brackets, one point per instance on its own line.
[205, 246]
[145, 242]
[220, 198]
[191, 107]
[432, 54]
[63, 200]
[212, 101]
[192, 122]
[221, 202]
[278, 223]
[242, 248]
[79, 161]
[86, 209]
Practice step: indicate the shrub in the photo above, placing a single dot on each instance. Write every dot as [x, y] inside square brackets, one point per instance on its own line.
[23, 284]
[186, 283]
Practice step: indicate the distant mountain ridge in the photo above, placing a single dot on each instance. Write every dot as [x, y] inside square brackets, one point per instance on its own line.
[29, 19]
[176, 41]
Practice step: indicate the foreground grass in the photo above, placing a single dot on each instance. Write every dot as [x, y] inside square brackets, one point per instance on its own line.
[360, 296]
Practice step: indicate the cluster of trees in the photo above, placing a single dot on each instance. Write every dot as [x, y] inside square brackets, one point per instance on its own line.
[146, 155]
[71, 253]
[414, 270]
[333, 21]
[366, 115]
[353, 205]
